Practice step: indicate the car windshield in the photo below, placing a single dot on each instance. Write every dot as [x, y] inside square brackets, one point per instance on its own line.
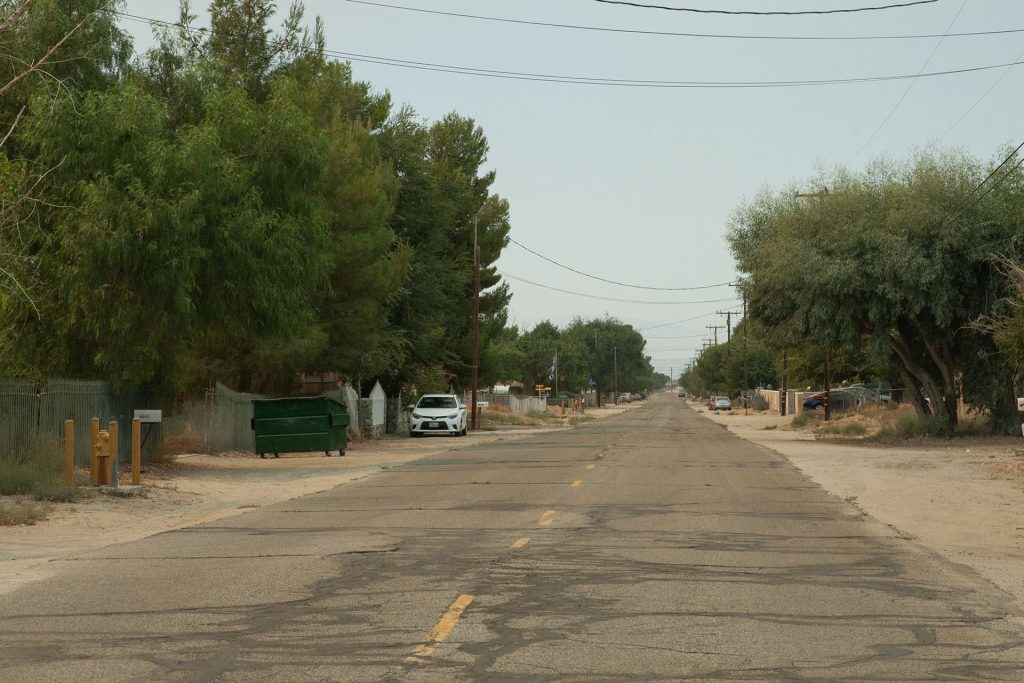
[437, 402]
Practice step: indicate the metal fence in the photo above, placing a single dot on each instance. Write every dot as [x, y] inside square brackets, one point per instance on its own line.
[30, 411]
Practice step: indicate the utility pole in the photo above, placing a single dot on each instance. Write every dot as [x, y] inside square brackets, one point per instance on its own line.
[746, 380]
[556, 371]
[828, 350]
[715, 329]
[597, 371]
[784, 398]
[615, 355]
[728, 348]
[476, 315]
[828, 384]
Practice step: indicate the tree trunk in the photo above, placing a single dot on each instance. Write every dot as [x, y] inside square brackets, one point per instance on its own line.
[912, 394]
[942, 357]
[929, 387]
[245, 379]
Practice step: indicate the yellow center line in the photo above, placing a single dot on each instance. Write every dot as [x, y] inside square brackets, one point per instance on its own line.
[591, 466]
[442, 629]
[520, 543]
[547, 517]
[576, 483]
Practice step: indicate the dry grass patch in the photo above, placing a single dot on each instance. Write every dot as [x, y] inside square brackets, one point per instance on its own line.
[17, 511]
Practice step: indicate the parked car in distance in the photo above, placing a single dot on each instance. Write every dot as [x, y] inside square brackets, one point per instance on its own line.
[439, 414]
[722, 403]
[815, 401]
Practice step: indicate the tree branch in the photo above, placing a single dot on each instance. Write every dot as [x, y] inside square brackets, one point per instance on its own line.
[42, 60]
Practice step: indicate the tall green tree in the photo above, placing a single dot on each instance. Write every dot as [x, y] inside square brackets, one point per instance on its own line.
[896, 260]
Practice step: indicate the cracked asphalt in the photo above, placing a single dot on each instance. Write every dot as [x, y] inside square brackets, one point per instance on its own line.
[682, 552]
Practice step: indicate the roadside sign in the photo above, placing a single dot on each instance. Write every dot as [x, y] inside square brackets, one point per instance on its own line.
[149, 416]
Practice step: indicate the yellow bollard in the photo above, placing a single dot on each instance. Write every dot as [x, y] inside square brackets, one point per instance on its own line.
[69, 452]
[94, 448]
[112, 451]
[136, 452]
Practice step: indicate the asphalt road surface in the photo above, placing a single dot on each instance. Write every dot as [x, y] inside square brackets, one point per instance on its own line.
[650, 546]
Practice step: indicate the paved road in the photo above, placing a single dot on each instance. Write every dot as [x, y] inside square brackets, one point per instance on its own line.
[649, 546]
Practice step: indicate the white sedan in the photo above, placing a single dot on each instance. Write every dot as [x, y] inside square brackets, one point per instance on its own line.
[439, 414]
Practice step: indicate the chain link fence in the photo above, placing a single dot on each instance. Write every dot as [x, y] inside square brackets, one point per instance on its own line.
[30, 411]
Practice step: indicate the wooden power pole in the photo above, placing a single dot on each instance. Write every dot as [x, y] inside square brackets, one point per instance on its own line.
[476, 319]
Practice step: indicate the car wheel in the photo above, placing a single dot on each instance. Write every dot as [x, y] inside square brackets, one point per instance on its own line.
[464, 431]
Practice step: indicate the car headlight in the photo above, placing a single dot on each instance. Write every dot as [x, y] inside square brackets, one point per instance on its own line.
[417, 416]
[453, 416]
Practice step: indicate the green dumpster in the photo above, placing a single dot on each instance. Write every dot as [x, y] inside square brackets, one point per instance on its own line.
[296, 425]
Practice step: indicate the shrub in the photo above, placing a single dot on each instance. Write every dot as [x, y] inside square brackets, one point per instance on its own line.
[845, 429]
[185, 442]
[37, 465]
[805, 418]
[854, 429]
[37, 471]
[19, 511]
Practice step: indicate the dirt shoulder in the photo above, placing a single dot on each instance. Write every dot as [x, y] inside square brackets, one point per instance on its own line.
[963, 498]
[203, 488]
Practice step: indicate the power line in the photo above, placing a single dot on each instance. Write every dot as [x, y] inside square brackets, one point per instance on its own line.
[910, 86]
[676, 34]
[676, 322]
[964, 208]
[682, 336]
[645, 83]
[598, 81]
[991, 188]
[605, 298]
[979, 100]
[849, 10]
[614, 282]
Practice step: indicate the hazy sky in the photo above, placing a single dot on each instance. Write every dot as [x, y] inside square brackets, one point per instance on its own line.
[637, 184]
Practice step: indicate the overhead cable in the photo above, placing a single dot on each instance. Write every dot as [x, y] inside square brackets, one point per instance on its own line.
[614, 282]
[977, 101]
[605, 298]
[598, 81]
[644, 83]
[676, 34]
[677, 322]
[768, 13]
[910, 86]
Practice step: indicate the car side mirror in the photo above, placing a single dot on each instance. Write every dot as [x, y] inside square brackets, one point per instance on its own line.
[410, 407]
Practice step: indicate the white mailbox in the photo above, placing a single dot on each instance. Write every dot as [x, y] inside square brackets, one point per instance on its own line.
[149, 416]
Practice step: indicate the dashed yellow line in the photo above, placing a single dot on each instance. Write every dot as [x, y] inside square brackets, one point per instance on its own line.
[442, 629]
[547, 518]
[520, 543]
[591, 466]
[576, 484]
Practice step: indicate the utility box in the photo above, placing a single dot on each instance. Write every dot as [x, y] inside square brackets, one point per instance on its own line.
[297, 425]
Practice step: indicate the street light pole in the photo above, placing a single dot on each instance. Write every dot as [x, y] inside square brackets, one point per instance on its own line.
[476, 317]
